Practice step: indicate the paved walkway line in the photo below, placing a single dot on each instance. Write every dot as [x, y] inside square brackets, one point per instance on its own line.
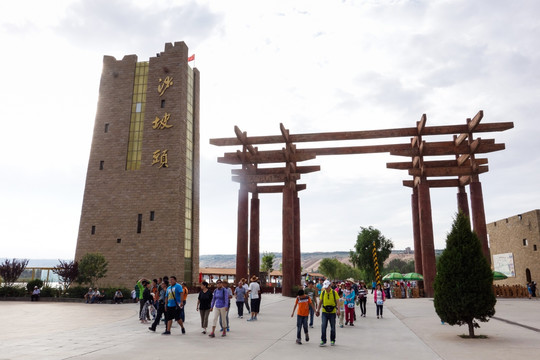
[515, 323]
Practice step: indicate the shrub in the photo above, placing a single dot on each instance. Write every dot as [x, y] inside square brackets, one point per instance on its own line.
[36, 282]
[48, 291]
[10, 270]
[76, 292]
[12, 291]
[92, 267]
[463, 284]
[68, 271]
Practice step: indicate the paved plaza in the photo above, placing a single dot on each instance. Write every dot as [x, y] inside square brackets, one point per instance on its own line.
[410, 330]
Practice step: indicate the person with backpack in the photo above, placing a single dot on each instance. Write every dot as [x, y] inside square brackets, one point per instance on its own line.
[304, 304]
[328, 302]
[220, 301]
[173, 305]
[313, 294]
[240, 294]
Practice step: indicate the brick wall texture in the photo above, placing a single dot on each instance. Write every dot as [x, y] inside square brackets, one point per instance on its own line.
[114, 197]
[509, 235]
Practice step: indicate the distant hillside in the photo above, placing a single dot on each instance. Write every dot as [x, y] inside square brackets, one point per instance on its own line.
[310, 261]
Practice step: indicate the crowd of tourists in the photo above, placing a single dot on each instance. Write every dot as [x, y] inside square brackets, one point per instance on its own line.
[163, 301]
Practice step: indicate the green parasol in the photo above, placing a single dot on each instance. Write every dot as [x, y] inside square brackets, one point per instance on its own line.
[499, 276]
[393, 276]
[413, 276]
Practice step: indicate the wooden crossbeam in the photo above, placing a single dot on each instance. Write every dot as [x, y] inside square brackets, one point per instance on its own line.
[284, 133]
[242, 136]
[271, 189]
[464, 180]
[460, 139]
[421, 125]
[406, 165]
[454, 150]
[449, 171]
[440, 183]
[473, 124]
[366, 134]
[263, 159]
[269, 178]
[280, 170]
[426, 149]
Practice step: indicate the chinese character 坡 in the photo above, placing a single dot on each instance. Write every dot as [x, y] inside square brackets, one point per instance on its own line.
[162, 123]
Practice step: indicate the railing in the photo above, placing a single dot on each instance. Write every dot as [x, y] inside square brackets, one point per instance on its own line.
[510, 291]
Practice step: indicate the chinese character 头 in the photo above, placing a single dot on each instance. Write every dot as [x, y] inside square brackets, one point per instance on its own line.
[162, 123]
[164, 84]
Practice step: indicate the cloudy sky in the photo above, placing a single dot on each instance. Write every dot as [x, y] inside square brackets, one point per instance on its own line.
[315, 66]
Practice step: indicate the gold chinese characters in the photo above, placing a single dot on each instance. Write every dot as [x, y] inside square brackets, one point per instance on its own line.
[162, 123]
[161, 158]
[164, 85]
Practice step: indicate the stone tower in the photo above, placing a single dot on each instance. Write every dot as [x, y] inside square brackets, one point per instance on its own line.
[141, 201]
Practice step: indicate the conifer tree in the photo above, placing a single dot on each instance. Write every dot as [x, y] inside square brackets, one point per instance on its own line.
[463, 284]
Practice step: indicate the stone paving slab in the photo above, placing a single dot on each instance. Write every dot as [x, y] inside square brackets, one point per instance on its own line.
[410, 330]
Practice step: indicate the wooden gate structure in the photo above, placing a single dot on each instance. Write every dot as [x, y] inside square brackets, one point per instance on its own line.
[458, 168]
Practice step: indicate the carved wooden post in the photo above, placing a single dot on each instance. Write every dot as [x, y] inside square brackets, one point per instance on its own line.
[463, 203]
[426, 234]
[242, 234]
[479, 217]
[297, 253]
[288, 240]
[254, 254]
[416, 232]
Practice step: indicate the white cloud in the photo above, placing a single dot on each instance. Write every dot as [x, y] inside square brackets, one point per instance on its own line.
[314, 66]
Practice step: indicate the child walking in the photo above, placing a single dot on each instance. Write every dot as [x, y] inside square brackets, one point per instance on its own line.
[341, 304]
[304, 303]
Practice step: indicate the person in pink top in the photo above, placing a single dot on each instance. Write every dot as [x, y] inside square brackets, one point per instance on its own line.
[379, 297]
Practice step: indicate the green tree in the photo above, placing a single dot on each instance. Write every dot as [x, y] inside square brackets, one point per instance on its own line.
[10, 270]
[267, 263]
[400, 266]
[68, 271]
[463, 284]
[92, 267]
[362, 256]
[329, 267]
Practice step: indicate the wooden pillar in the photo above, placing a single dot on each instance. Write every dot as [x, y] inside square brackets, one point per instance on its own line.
[288, 240]
[242, 234]
[479, 217]
[463, 203]
[297, 254]
[426, 235]
[416, 232]
[254, 254]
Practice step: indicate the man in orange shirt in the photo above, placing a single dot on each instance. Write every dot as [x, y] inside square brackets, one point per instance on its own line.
[303, 302]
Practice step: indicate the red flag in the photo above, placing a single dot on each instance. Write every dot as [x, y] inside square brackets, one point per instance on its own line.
[191, 58]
